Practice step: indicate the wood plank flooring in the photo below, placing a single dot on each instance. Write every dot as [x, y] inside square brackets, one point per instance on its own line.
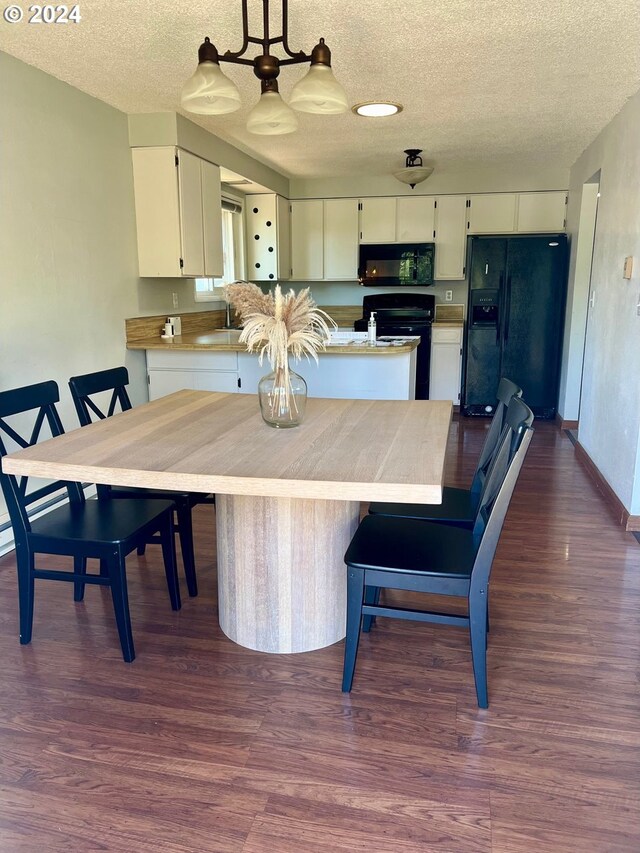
[200, 745]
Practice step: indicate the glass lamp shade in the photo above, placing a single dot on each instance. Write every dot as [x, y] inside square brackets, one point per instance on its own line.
[319, 92]
[209, 92]
[271, 116]
[413, 175]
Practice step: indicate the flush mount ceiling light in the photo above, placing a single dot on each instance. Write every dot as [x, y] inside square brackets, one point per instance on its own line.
[210, 92]
[375, 109]
[414, 172]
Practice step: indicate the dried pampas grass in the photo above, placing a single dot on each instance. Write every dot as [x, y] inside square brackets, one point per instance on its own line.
[275, 324]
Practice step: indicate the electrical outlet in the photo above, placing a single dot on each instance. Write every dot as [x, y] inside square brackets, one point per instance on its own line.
[448, 295]
[175, 299]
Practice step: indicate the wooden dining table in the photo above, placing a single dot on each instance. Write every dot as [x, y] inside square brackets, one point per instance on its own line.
[287, 501]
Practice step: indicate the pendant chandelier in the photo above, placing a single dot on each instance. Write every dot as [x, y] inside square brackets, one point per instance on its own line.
[210, 92]
[414, 172]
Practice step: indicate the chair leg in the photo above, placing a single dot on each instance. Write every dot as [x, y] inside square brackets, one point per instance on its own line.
[185, 532]
[141, 549]
[355, 594]
[371, 596]
[26, 564]
[79, 568]
[118, 577]
[168, 539]
[104, 568]
[478, 612]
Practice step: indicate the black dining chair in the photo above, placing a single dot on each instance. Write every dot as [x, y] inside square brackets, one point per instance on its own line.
[459, 506]
[102, 529]
[84, 390]
[392, 552]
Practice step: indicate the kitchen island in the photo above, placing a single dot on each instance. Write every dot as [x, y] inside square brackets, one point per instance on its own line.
[216, 361]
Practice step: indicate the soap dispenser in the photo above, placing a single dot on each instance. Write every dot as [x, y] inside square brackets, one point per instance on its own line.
[372, 328]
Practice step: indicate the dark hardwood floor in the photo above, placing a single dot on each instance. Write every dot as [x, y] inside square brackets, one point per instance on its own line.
[200, 745]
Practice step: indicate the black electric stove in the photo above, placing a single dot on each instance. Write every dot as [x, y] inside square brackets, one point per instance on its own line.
[403, 314]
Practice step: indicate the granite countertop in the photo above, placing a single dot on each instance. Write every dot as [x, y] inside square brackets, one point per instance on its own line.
[222, 341]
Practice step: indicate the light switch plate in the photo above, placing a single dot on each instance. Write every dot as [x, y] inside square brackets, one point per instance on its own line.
[627, 271]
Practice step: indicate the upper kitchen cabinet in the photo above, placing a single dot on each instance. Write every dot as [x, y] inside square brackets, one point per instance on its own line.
[492, 213]
[324, 239]
[378, 220]
[451, 237]
[267, 237]
[521, 213]
[340, 249]
[397, 220]
[542, 212]
[307, 239]
[178, 214]
[415, 219]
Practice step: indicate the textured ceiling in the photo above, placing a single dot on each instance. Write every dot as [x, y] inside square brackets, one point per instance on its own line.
[488, 82]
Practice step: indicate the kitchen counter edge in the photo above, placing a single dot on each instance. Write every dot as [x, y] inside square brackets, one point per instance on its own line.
[215, 342]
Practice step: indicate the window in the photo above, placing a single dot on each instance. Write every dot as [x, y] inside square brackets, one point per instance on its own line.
[208, 289]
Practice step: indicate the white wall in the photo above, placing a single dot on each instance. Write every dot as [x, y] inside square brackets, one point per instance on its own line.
[67, 238]
[67, 232]
[445, 180]
[609, 427]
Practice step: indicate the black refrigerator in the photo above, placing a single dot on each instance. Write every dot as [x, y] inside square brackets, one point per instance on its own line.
[515, 318]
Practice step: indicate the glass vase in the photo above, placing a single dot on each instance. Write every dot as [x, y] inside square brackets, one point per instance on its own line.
[283, 397]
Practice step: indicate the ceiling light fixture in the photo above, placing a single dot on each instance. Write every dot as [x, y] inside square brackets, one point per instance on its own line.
[375, 109]
[210, 92]
[414, 172]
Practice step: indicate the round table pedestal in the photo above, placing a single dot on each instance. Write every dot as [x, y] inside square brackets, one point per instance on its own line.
[281, 572]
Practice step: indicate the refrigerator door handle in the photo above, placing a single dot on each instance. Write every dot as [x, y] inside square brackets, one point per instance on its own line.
[499, 310]
[507, 309]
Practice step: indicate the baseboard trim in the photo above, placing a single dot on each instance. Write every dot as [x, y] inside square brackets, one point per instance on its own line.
[615, 506]
[562, 424]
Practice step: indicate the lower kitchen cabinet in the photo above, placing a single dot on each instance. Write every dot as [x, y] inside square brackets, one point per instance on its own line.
[391, 376]
[200, 371]
[446, 364]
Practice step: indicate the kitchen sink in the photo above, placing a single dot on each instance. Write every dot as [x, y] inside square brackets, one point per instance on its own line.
[233, 334]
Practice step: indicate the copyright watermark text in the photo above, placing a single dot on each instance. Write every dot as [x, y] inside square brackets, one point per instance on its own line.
[47, 14]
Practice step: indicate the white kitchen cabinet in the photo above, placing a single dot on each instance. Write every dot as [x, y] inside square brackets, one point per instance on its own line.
[542, 212]
[199, 371]
[451, 237]
[211, 219]
[378, 220]
[415, 219]
[357, 375]
[324, 239]
[340, 244]
[405, 219]
[492, 213]
[446, 364]
[178, 214]
[307, 240]
[267, 237]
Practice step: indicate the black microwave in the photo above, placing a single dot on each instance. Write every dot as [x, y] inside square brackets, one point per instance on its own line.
[396, 264]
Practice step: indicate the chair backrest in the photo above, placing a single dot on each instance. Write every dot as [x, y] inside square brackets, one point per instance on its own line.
[40, 401]
[499, 485]
[506, 390]
[84, 387]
